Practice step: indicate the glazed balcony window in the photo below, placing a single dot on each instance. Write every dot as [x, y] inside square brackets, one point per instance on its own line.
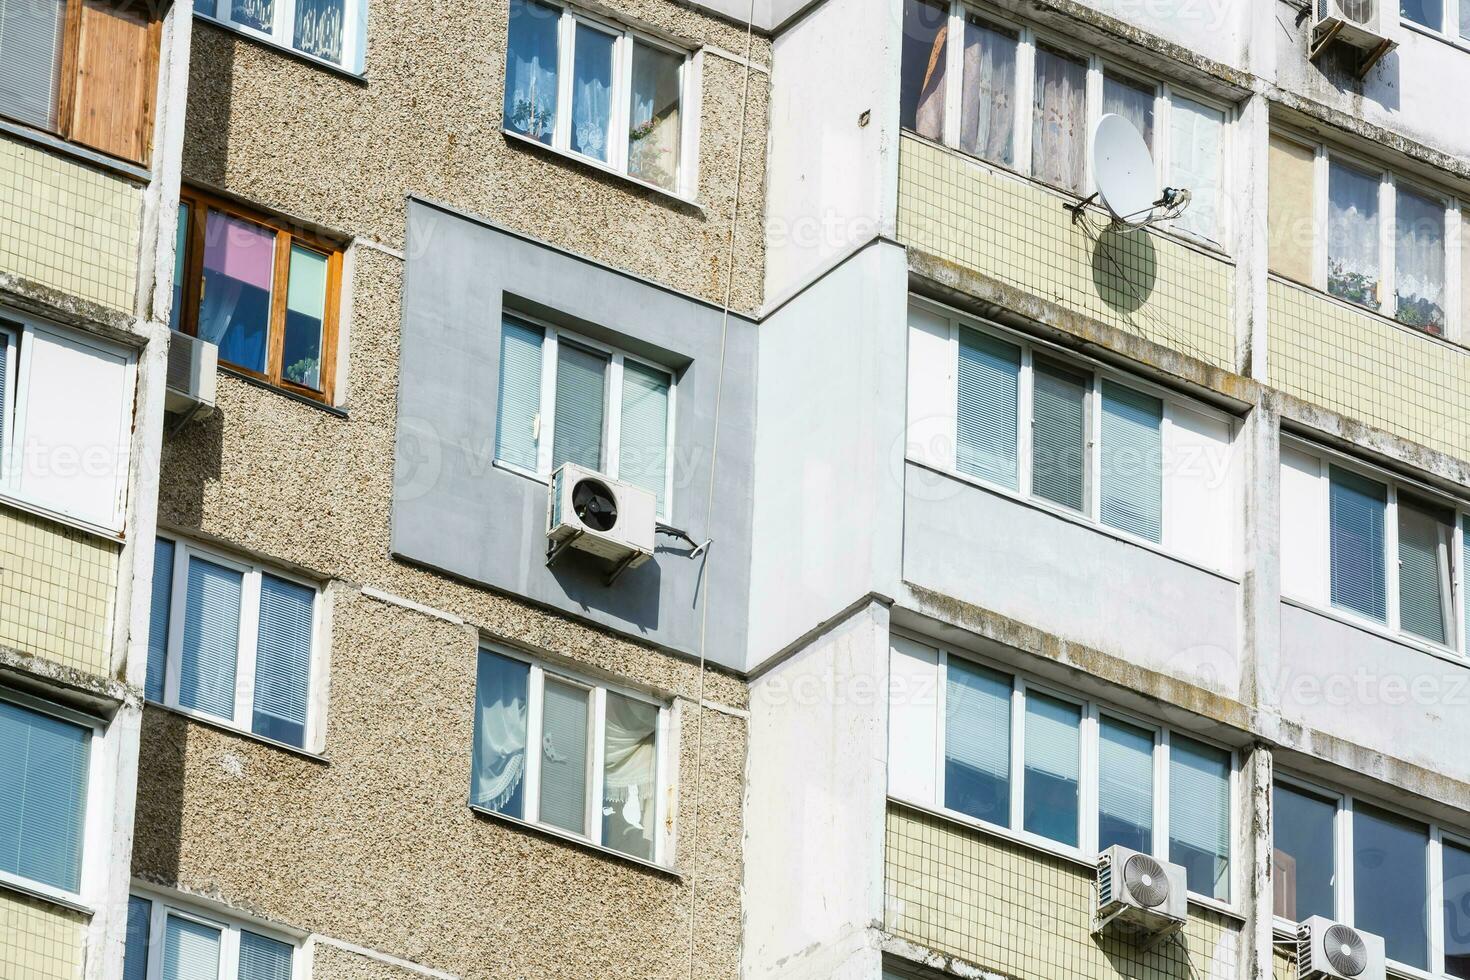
[599, 92]
[44, 764]
[330, 31]
[171, 941]
[83, 70]
[266, 293]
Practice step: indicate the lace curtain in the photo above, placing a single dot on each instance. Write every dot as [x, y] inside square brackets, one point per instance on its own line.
[988, 122]
[1058, 132]
[1419, 261]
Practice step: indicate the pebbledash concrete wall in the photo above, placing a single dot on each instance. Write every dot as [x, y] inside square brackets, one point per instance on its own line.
[373, 845]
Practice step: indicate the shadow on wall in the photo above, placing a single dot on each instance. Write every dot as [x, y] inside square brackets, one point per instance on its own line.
[159, 824]
[190, 460]
[1125, 268]
[211, 93]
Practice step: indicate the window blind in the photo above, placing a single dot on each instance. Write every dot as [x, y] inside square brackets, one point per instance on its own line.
[520, 395]
[1125, 786]
[135, 951]
[644, 441]
[564, 756]
[1131, 471]
[977, 741]
[190, 950]
[1199, 815]
[1355, 519]
[580, 379]
[1053, 767]
[988, 381]
[1058, 434]
[1426, 539]
[5, 393]
[211, 638]
[283, 660]
[30, 59]
[158, 618]
[263, 958]
[43, 796]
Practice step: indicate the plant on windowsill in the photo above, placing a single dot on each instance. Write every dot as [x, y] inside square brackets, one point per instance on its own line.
[1355, 287]
[646, 159]
[304, 372]
[1419, 313]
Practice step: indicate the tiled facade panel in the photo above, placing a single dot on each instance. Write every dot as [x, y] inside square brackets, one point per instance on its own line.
[56, 591]
[68, 226]
[1012, 910]
[38, 941]
[1362, 366]
[958, 210]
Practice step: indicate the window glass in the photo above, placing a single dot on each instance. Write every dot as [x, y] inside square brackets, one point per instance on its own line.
[235, 300]
[654, 133]
[1053, 768]
[977, 742]
[43, 796]
[1456, 910]
[988, 116]
[306, 311]
[643, 443]
[1196, 149]
[190, 950]
[592, 74]
[1059, 434]
[564, 756]
[283, 660]
[1302, 854]
[501, 699]
[921, 88]
[989, 379]
[1059, 119]
[1426, 542]
[1355, 517]
[1131, 473]
[1465, 20]
[262, 958]
[181, 253]
[319, 28]
[518, 415]
[1199, 815]
[581, 376]
[30, 67]
[1352, 234]
[1134, 101]
[1419, 261]
[160, 605]
[1390, 883]
[630, 768]
[135, 951]
[1125, 786]
[531, 65]
[258, 15]
[1428, 13]
[211, 638]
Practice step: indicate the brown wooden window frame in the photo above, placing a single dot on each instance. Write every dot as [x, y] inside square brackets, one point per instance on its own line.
[187, 319]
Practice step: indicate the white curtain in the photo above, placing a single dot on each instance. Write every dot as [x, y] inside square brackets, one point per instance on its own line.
[630, 768]
[500, 727]
[1419, 261]
[1058, 133]
[987, 125]
[1196, 135]
[1352, 234]
[1132, 101]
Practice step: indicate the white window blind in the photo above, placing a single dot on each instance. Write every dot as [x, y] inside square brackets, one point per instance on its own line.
[1053, 768]
[977, 741]
[1199, 815]
[7, 391]
[43, 796]
[1304, 527]
[158, 618]
[1130, 471]
[564, 756]
[1200, 477]
[581, 377]
[30, 59]
[1059, 434]
[283, 660]
[1426, 541]
[989, 379]
[263, 958]
[191, 950]
[211, 637]
[1356, 518]
[1125, 786]
[517, 420]
[644, 432]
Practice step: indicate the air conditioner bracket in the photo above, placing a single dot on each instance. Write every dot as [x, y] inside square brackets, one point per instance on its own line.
[560, 548]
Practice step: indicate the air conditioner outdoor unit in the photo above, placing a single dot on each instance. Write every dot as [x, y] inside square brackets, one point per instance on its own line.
[1327, 950]
[1139, 894]
[604, 517]
[1357, 23]
[192, 371]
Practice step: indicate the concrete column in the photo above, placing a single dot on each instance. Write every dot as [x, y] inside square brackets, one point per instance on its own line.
[1254, 846]
[1260, 455]
[1249, 204]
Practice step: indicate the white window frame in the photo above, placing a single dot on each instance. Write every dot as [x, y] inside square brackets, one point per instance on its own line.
[1323, 155]
[664, 771]
[283, 29]
[612, 421]
[1391, 625]
[245, 650]
[1344, 869]
[1091, 514]
[685, 181]
[1090, 770]
[97, 811]
[162, 906]
[1028, 38]
[1449, 24]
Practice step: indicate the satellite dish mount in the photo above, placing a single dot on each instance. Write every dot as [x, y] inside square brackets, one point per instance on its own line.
[1123, 170]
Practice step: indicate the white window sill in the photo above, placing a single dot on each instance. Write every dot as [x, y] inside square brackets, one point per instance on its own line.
[663, 192]
[582, 842]
[46, 893]
[1048, 848]
[219, 724]
[1072, 517]
[286, 49]
[1462, 44]
[1376, 628]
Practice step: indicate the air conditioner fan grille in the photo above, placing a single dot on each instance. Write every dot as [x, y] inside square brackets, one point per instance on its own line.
[1146, 880]
[1345, 950]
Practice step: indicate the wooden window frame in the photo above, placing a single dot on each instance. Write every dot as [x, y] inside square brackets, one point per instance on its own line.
[200, 204]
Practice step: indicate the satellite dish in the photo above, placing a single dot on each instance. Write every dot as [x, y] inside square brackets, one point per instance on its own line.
[1124, 170]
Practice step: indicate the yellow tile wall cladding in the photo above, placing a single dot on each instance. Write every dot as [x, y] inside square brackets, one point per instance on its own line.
[56, 591]
[1023, 914]
[1366, 368]
[68, 226]
[38, 941]
[956, 209]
